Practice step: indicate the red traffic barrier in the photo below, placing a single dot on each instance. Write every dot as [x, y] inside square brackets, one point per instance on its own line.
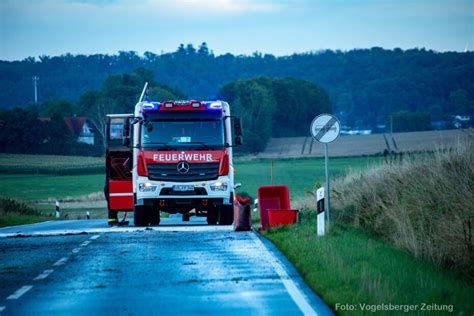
[242, 214]
[282, 217]
[274, 198]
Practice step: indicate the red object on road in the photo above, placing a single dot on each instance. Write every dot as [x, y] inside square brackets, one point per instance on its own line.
[242, 214]
[282, 217]
[274, 197]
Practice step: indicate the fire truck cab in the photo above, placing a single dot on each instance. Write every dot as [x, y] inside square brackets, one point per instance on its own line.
[174, 157]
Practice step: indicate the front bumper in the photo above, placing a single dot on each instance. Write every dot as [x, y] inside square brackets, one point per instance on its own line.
[203, 196]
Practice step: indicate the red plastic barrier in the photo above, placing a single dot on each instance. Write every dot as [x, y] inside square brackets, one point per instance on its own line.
[274, 198]
[282, 217]
[242, 214]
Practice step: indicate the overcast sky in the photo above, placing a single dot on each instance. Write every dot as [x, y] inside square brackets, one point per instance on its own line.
[279, 27]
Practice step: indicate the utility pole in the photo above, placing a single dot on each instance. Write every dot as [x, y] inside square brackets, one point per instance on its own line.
[35, 83]
[391, 126]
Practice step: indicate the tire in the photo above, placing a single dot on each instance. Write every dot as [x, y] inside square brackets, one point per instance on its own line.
[212, 216]
[212, 220]
[140, 217]
[153, 216]
[226, 214]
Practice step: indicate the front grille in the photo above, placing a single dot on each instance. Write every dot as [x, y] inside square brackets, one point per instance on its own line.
[197, 172]
[197, 191]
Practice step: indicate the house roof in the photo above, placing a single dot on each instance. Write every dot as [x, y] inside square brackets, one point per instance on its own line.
[75, 124]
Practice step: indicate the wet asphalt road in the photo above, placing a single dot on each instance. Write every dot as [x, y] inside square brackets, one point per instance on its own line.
[86, 268]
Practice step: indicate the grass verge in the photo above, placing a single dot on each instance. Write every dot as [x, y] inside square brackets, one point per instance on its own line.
[424, 206]
[14, 212]
[348, 266]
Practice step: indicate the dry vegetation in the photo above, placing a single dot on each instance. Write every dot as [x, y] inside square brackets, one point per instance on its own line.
[425, 205]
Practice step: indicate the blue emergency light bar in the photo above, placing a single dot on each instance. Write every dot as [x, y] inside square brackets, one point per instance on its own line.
[182, 105]
[151, 106]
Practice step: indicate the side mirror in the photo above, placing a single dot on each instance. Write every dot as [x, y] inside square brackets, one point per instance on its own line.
[126, 133]
[126, 141]
[238, 141]
[237, 126]
[237, 185]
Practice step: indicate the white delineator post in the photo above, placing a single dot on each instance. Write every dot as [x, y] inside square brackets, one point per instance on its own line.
[320, 223]
[58, 212]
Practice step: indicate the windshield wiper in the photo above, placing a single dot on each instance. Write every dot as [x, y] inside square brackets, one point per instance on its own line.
[204, 145]
[162, 144]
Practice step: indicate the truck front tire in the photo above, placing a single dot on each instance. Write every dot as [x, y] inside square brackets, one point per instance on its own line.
[153, 216]
[226, 214]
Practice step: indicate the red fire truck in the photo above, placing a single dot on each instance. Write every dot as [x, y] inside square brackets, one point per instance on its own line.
[174, 157]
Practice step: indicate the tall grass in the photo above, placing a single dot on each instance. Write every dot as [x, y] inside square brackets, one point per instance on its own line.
[423, 205]
[15, 212]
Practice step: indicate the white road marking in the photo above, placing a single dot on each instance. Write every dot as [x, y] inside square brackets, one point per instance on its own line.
[76, 250]
[85, 243]
[115, 229]
[298, 297]
[22, 290]
[2, 308]
[60, 262]
[43, 275]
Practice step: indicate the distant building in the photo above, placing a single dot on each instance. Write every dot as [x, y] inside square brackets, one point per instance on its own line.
[462, 121]
[79, 127]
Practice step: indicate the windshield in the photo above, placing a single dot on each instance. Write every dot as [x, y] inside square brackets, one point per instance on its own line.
[172, 134]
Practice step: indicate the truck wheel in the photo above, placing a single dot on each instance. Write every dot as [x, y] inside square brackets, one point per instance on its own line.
[212, 220]
[140, 217]
[212, 216]
[153, 216]
[226, 215]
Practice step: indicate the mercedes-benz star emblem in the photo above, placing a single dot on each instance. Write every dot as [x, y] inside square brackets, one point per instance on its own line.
[183, 167]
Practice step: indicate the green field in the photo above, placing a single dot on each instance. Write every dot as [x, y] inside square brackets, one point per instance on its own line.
[298, 174]
[49, 164]
[34, 187]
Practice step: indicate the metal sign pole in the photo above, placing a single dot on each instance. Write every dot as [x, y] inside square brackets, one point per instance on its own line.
[325, 128]
[328, 190]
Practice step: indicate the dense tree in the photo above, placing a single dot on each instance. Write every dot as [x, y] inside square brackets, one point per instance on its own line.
[22, 131]
[365, 85]
[410, 121]
[274, 107]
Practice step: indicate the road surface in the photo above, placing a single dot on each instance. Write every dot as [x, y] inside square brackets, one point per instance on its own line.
[86, 268]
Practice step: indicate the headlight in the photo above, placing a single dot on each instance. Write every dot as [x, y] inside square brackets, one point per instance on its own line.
[146, 187]
[219, 186]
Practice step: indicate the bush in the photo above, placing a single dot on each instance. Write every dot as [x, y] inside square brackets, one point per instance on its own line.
[425, 206]
[11, 206]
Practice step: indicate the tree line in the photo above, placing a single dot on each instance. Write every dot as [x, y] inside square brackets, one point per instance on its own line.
[22, 131]
[268, 107]
[365, 85]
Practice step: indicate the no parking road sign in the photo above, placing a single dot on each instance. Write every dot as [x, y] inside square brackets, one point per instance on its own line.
[325, 128]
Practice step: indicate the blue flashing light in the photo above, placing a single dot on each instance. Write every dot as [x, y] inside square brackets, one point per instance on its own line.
[151, 106]
[216, 105]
